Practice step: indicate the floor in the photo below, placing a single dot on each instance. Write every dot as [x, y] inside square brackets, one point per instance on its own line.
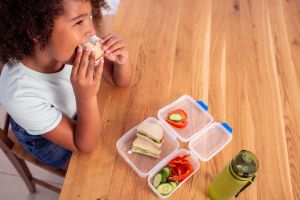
[12, 186]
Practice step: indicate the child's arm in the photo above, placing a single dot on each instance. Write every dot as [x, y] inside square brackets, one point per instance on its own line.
[81, 135]
[117, 70]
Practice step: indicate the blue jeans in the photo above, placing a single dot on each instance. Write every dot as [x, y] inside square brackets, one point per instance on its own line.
[41, 148]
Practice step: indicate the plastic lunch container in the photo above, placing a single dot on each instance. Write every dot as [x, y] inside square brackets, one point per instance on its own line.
[206, 138]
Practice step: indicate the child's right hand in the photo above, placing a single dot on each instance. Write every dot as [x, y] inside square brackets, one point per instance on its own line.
[85, 77]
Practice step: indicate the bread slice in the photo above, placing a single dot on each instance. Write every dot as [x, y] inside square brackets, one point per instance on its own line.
[94, 44]
[144, 147]
[153, 133]
[158, 145]
[98, 51]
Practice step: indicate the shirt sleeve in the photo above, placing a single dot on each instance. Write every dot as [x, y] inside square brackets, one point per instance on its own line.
[36, 117]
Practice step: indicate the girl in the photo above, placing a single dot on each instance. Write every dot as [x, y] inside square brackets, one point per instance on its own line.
[53, 105]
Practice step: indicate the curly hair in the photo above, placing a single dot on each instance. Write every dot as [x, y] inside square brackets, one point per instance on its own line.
[23, 20]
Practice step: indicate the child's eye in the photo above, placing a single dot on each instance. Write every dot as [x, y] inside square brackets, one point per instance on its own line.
[79, 22]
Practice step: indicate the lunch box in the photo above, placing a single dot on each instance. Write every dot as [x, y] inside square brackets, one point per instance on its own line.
[205, 139]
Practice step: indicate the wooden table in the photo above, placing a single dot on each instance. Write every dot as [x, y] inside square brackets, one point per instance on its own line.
[241, 57]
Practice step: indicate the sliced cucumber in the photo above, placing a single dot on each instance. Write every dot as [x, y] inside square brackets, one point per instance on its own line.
[174, 184]
[176, 117]
[167, 170]
[164, 176]
[157, 180]
[165, 188]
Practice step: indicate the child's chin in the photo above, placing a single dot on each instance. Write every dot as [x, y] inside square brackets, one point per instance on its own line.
[70, 60]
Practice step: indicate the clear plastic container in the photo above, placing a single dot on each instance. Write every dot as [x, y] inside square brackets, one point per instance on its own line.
[198, 117]
[206, 138]
[213, 140]
[143, 168]
[202, 147]
[181, 152]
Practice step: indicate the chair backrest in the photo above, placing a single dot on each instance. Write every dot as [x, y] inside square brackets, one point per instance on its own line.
[17, 156]
[5, 141]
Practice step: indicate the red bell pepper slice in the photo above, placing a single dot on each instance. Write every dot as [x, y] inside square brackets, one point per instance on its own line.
[179, 177]
[183, 162]
[180, 168]
[186, 156]
[174, 172]
[180, 124]
[172, 165]
[179, 111]
[176, 159]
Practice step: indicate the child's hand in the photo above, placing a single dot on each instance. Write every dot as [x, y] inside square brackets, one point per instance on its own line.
[85, 76]
[115, 49]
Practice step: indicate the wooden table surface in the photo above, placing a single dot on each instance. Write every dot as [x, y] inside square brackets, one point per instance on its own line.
[241, 57]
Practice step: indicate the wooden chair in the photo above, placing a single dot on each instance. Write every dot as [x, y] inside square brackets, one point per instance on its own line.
[18, 155]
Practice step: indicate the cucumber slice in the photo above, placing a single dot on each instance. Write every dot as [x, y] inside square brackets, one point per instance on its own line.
[157, 180]
[174, 184]
[164, 176]
[165, 188]
[167, 170]
[176, 117]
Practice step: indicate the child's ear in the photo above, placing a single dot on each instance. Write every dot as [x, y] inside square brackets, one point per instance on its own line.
[32, 35]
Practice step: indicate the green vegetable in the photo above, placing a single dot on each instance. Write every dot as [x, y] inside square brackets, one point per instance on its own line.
[143, 134]
[174, 184]
[167, 170]
[157, 180]
[176, 117]
[165, 188]
[164, 176]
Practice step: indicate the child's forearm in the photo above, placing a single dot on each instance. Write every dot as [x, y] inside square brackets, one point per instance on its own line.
[122, 74]
[88, 125]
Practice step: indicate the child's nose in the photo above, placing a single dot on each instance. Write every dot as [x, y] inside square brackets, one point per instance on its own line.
[92, 30]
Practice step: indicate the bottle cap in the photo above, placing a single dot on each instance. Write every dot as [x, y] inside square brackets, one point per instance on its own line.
[245, 164]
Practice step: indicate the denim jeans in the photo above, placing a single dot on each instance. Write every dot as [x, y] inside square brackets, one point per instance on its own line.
[41, 148]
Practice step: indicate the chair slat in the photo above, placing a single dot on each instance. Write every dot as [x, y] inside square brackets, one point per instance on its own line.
[18, 155]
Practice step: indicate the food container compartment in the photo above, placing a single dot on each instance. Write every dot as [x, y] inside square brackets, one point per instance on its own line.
[202, 147]
[143, 164]
[211, 141]
[198, 117]
[181, 152]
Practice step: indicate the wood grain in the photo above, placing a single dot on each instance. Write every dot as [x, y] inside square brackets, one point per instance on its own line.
[241, 57]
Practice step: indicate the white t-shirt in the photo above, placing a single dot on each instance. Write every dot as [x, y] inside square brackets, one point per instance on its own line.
[36, 100]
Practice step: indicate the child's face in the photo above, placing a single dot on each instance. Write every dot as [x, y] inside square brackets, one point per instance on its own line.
[70, 30]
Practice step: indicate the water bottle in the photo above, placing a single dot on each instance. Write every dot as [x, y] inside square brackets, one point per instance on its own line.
[235, 177]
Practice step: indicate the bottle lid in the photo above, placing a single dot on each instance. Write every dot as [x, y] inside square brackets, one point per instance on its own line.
[245, 164]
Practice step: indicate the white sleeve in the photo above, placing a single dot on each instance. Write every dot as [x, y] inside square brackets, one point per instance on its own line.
[36, 117]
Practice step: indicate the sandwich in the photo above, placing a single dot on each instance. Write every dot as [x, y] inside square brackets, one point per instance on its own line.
[144, 147]
[152, 133]
[94, 43]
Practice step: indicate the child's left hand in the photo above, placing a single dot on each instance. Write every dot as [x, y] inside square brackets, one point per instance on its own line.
[115, 49]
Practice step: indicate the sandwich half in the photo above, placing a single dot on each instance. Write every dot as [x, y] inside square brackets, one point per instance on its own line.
[94, 44]
[144, 147]
[153, 133]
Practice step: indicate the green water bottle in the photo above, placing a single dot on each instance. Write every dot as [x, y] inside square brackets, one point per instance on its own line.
[235, 177]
